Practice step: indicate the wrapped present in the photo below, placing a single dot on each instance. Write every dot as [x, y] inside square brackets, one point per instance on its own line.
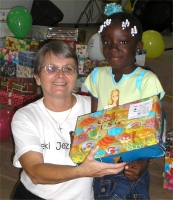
[2, 71]
[168, 166]
[24, 71]
[9, 55]
[38, 33]
[15, 99]
[1, 41]
[130, 132]
[3, 14]
[19, 85]
[26, 58]
[4, 30]
[7, 68]
[72, 44]
[16, 44]
[68, 34]
[41, 33]
[81, 51]
[81, 65]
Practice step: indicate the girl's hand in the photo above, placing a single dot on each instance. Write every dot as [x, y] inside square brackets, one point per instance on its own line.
[134, 169]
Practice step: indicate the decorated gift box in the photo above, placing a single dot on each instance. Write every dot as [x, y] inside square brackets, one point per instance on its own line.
[7, 68]
[15, 99]
[81, 51]
[16, 44]
[3, 14]
[1, 41]
[131, 131]
[4, 30]
[68, 34]
[168, 167]
[26, 58]
[24, 71]
[9, 55]
[41, 33]
[19, 85]
[38, 33]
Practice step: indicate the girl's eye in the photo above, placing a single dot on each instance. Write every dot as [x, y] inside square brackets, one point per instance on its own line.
[106, 42]
[123, 42]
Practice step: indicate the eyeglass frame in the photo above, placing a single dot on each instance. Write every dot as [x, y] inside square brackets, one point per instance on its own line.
[58, 69]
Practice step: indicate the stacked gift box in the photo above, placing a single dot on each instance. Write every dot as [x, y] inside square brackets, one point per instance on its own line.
[168, 169]
[17, 63]
[17, 92]
[41, 33]
[4, 30]
[17, 85]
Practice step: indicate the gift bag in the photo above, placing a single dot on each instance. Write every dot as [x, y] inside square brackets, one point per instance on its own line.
[126, 132]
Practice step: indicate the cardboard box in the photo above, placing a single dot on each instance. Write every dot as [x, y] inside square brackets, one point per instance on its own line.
[119, 132]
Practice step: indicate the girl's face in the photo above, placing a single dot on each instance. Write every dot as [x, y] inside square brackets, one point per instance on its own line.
[119, 46]
[56, 85]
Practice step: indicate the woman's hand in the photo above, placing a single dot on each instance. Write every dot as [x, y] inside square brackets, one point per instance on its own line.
[92, 168]
[134, 169]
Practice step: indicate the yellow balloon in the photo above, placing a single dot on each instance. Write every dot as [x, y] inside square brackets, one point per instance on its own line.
[154, 43]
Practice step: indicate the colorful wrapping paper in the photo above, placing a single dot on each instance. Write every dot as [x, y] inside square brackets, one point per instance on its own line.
[131, 131]
[1, 41]
[16, 44]
[15, 99]
[168, 168]
[38, 33]
[41, 33]
[24, 71]
[68, 34]
[19, 85]
[81, 51]
[7, 68]
[26, 58]
[9, 55]
[4, 30]
[3, 14]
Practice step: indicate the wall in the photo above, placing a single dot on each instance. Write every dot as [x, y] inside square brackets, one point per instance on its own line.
[70, 8]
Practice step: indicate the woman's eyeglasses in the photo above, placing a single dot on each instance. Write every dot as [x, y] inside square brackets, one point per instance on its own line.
[52, 69]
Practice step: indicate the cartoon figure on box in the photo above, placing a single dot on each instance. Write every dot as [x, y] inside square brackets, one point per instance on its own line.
[114, 99]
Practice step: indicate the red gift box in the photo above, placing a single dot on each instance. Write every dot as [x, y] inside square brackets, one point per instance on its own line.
[19, 85]
[16, 100]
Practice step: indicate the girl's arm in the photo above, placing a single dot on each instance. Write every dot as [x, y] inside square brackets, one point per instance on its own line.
[94, 102]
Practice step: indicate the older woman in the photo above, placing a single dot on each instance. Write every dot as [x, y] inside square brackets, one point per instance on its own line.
[41, 133]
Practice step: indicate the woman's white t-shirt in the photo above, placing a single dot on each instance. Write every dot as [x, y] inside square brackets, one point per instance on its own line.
[34, 129]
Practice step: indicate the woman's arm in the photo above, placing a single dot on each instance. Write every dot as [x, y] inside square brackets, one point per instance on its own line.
[46, 173]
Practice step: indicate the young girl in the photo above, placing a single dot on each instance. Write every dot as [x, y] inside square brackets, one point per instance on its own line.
[121, 36]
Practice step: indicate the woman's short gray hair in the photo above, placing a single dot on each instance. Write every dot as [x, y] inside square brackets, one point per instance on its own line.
[59, 49]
